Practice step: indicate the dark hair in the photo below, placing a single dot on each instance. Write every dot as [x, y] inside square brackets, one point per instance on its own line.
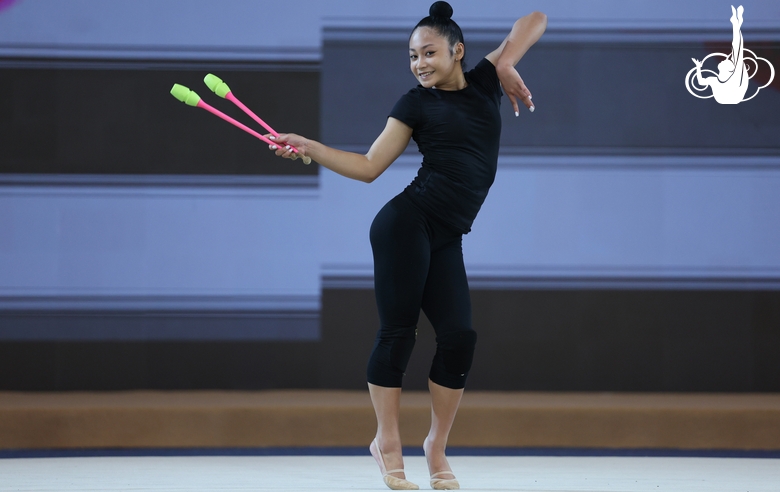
[440, 19]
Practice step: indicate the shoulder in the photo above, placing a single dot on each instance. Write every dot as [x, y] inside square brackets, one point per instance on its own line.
[483, 69]
[407, 108]
[484, 65]
[485, 77]
[412, 96]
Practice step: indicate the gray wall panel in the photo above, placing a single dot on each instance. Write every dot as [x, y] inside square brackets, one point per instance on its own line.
[591, 98]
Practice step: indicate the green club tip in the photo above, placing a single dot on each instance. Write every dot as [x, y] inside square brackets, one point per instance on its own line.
[212, 81]
[185, 95]
[216, 85]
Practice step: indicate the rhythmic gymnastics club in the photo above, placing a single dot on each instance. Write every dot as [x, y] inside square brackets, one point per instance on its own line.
[221, 89]
[191, 98]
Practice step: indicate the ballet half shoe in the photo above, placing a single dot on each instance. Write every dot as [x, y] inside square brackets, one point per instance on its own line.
[396, 483]
[392, 482]
[444, 483]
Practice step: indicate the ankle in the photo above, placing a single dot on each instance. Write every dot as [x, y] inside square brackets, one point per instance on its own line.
[433, 446]
[390, 444]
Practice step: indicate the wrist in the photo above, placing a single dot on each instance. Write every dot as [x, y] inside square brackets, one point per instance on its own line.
[309, 146]
[502, 62]
[503, 67]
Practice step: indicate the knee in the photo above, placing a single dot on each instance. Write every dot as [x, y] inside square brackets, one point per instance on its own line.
[401, 343]
[391, 354]
[455, 353]
[458, 350]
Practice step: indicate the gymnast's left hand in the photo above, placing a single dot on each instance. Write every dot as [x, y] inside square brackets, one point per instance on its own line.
[514, 87]
[287, 140]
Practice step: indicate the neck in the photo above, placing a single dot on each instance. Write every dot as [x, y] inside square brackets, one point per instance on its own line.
[457, 83]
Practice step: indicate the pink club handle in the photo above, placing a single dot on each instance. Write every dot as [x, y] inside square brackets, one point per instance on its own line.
[230, 120]
[229, 96]
[216, 112]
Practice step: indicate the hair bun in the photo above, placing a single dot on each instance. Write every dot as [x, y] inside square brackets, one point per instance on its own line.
[440, 10]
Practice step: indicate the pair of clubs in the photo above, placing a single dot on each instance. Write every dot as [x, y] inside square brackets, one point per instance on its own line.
[191, 98]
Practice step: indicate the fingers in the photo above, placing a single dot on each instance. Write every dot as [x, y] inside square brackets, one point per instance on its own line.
[282, 138]
[282, 149]
[522, 88]
[524, 95]
[513, 100]
[515, 89]
[527, 101]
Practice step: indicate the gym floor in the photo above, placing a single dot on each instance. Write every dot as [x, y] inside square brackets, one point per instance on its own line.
[357, 473]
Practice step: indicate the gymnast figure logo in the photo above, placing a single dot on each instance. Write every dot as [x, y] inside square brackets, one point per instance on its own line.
[730, 84]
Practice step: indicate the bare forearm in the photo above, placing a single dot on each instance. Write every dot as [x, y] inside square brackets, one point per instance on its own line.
[349, 164]
[385, 149]
[526, 31]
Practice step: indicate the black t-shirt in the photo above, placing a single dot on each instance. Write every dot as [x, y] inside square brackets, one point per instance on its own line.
[458, 133]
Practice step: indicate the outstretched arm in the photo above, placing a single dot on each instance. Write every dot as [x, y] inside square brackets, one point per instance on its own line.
[526, 31]
[384, 151]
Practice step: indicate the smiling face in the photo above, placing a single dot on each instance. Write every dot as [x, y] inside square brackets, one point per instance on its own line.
[433, 62]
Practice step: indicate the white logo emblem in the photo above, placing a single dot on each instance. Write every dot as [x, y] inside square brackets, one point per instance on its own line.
[730, 84]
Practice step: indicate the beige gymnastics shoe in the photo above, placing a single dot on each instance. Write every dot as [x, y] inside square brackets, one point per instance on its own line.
[444, 483]
[392, 482]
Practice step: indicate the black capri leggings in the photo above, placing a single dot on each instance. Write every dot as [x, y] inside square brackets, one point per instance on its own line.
[418, 264]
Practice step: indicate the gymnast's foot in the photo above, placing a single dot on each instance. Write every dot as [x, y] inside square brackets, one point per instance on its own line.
[395, 478]
[442, 477]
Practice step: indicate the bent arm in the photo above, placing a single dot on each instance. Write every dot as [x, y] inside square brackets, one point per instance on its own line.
[384, 151]
[525, 32]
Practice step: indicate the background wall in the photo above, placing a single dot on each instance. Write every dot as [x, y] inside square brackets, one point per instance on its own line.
[644, 214]
[244, 29]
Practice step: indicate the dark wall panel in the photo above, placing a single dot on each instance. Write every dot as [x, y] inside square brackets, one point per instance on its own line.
[553, 340]
[628, 340]
[67, 366]
[124, 121]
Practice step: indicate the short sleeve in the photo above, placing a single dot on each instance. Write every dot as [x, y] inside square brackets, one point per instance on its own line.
[407, 110]
[485, 77]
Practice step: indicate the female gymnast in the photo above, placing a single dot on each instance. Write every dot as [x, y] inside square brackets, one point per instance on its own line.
[416, 237]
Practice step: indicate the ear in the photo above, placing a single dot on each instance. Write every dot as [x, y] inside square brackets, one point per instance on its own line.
[459, 50]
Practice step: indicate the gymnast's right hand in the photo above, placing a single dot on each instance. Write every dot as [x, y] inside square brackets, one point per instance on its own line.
[287, 140]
